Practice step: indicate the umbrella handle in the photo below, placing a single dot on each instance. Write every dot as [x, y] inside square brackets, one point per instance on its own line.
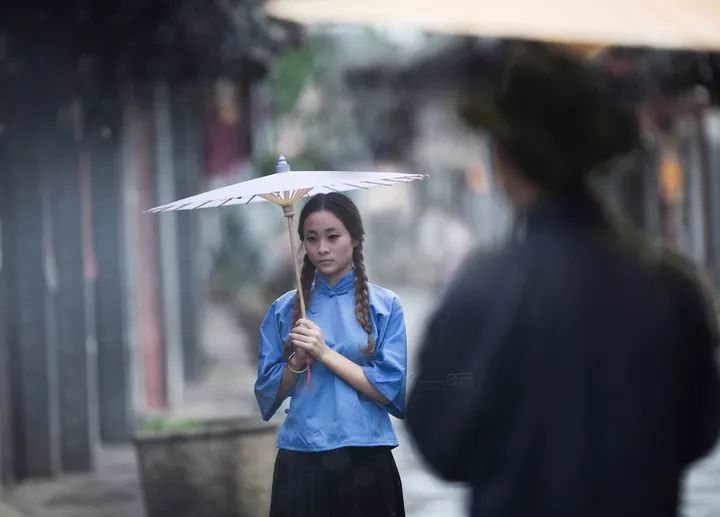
[289, 212]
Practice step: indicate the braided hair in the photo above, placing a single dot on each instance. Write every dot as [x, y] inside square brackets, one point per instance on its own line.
[362, 298]
[344, 209]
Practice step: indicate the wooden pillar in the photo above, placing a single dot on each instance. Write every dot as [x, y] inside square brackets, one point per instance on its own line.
[50, 353]
[712, 134]
[6, 416]
[77, 349]
[168, 245]
[142, 310]
[188, 159]
[114, 371]
[707, 187]
[34, 354]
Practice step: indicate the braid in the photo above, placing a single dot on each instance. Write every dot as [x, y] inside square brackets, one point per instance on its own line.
[362, 298]
[307, 275]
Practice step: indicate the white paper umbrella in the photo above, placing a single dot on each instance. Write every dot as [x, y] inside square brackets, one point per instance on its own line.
[284, 188]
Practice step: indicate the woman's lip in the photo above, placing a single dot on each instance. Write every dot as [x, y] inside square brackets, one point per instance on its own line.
[326, 261]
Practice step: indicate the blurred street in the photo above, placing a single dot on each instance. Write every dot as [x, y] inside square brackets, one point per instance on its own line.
[702, 488]
[121, 325]
[226, 388]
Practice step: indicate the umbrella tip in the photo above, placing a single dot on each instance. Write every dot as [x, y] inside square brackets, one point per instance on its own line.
[282, 165]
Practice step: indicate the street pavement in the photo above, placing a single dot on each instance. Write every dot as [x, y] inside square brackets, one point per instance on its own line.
[425, 494]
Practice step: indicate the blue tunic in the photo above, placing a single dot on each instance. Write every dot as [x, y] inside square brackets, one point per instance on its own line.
[332, 413]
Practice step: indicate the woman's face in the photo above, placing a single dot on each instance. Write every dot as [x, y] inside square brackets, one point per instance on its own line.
[328, 245]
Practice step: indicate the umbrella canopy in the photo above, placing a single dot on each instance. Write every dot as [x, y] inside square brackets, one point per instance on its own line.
[688, 24]
[284, 188]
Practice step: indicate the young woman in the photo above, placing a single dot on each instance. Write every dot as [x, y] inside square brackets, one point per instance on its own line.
[343, 367]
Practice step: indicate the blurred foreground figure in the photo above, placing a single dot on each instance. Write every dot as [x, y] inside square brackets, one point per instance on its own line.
[571, 373]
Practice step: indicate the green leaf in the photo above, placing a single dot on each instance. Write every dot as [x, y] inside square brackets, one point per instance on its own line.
[289, 76]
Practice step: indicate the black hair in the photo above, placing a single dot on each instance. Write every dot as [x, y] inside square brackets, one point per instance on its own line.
[553, 116]
[344, 209]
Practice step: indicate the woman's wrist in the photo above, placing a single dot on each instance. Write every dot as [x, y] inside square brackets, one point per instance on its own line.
[296, 364]
[325, 354]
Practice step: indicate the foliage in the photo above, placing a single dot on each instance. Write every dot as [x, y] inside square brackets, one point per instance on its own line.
[289, 75]
[235, 260]
[164, 425]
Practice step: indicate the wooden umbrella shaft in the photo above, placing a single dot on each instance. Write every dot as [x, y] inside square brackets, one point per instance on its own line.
[289, 212]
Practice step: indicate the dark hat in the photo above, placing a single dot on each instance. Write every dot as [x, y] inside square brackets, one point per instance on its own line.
[551, 113]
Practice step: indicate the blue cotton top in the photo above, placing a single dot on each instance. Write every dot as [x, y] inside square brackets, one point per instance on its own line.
[333, 414]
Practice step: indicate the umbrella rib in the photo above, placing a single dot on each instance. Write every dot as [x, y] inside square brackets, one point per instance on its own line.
[272, 197]
[297, 194]
[226, 201]
[204, 203]
[251, 198]
[267, 197]
[378, 183]
[357, 186]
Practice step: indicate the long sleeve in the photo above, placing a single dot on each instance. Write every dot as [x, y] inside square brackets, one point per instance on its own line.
[330, 413]
[439, 414]
[270, 365]
[387, 369]
[461, 382]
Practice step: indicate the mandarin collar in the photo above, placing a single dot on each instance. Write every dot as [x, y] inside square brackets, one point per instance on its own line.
[343, 285]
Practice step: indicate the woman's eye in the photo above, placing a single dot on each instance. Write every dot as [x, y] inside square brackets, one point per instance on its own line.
[333, 237]
[311, 239]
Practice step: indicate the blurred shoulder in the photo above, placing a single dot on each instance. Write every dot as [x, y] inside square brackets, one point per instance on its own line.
[487, 277]
[484, 267]
[687, 282]
[664, 262]
[684, 284]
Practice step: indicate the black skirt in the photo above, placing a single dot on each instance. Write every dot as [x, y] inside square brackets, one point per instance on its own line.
[346, 482]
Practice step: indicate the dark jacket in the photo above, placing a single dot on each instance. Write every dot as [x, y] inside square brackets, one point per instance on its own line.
[570, 374]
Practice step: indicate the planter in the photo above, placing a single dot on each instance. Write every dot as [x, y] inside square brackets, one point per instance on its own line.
[219, 468]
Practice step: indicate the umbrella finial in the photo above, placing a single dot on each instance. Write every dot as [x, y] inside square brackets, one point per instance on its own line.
[282, 165]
